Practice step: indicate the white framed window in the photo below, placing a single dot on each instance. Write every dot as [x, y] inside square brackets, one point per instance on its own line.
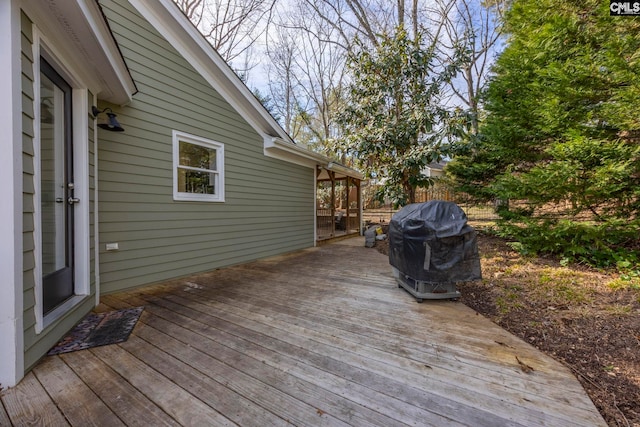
[198, 168]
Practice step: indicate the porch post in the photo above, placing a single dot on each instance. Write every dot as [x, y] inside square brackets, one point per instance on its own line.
[332, 176]
[348, 204]
[315, 205]
[359, 204]
[11, 210]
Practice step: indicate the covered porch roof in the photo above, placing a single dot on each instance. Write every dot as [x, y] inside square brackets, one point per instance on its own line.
[338, 171]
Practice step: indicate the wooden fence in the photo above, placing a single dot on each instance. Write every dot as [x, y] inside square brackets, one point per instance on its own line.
[375, 212]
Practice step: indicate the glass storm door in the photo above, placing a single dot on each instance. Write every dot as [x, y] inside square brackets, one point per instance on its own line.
[56, 186]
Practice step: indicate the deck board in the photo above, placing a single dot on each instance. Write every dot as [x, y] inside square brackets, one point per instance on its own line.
[203, 380]
[131, 405]
[261, 363]
[28, 404]
[4, 417]
[384, 379]
[74, 398]
[181, 404]
[321, 337]
[298, 401]
[448, 381]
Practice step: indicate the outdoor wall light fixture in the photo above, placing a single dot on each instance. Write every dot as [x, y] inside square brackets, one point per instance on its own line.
[106, 119]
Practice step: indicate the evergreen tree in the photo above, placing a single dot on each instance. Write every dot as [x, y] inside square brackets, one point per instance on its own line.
[562, 127]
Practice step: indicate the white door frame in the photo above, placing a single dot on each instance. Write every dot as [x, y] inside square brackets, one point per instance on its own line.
[42, 47]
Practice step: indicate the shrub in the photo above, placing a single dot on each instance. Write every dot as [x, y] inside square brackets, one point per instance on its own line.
[613, 243]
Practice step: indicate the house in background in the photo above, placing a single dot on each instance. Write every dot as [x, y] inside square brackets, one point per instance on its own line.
[435, 169]
[201, 176]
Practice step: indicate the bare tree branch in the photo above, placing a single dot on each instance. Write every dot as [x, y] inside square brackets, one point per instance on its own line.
[192, 9]
[231, 26]
[476, 28]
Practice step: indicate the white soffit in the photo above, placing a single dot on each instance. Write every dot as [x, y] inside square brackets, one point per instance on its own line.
[78, 32]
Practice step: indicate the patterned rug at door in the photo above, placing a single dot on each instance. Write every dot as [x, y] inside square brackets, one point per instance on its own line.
[98, 329]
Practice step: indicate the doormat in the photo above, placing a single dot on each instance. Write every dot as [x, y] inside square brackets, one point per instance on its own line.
[98, 329]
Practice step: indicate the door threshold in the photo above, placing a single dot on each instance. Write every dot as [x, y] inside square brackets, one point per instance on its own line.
[61, 310]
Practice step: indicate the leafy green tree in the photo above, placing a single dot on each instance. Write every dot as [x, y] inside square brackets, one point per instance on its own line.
[394, 120]
[563, 125]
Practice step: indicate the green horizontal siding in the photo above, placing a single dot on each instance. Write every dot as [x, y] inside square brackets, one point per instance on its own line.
[28, 191]
[268, 206]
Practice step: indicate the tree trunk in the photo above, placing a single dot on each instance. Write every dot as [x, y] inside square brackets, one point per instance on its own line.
[472, 99]
[414, 18]
[408, 188]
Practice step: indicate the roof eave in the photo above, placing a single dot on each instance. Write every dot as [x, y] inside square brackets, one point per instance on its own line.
[279, 148]
[287, 151]
[79, 30]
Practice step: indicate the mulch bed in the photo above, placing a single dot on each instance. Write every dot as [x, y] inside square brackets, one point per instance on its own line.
[573, 314]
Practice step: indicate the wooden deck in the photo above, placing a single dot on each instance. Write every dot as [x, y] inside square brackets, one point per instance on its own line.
[322, 337]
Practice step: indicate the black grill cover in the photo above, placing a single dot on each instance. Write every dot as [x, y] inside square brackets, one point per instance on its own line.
[432, 242]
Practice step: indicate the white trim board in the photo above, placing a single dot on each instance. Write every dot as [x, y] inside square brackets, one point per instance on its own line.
[11, 246]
